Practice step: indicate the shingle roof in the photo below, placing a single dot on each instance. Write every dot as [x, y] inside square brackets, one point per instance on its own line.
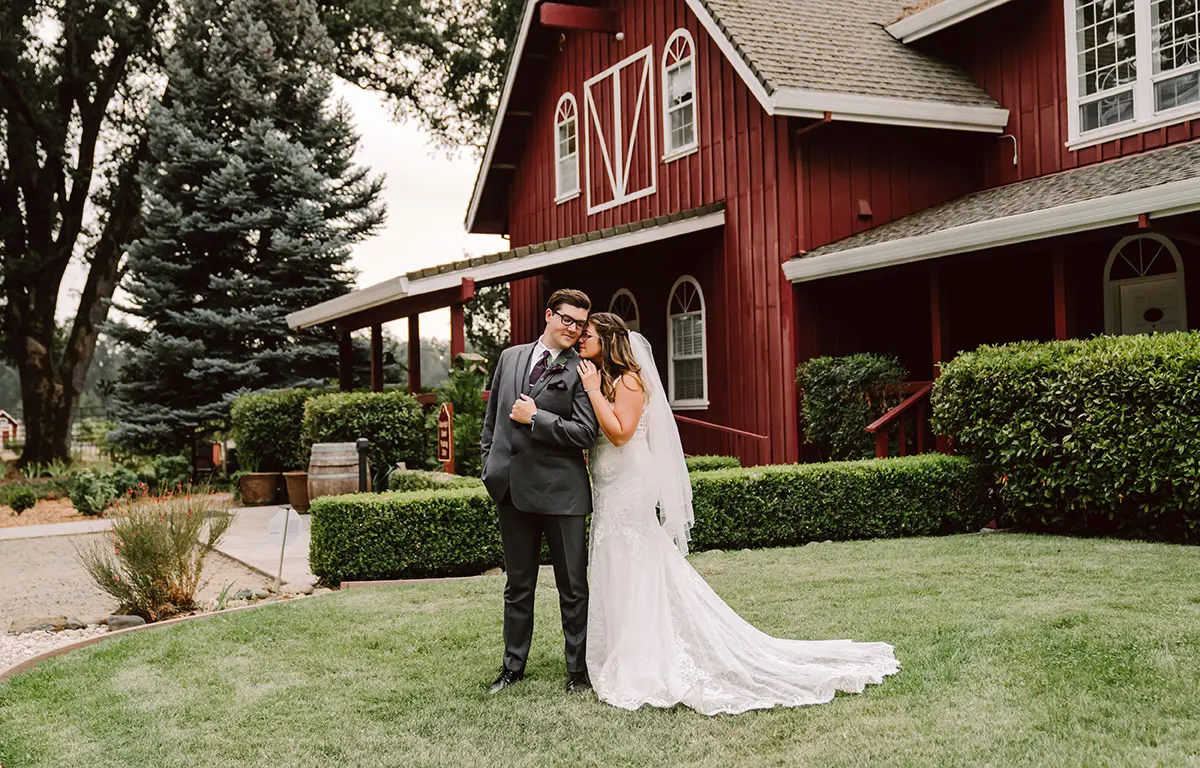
[563, 242]
[839, 46]
[1141, 171]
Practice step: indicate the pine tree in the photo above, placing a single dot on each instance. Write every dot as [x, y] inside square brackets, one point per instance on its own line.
[252, 202]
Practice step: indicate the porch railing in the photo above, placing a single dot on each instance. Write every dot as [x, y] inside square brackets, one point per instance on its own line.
[912, 413]
[708, 438]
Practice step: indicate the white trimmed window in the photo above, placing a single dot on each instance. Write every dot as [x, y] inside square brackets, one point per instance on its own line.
[625, 306]
[679, 96]
[566, 132]
[687, 368]
[1132, 65]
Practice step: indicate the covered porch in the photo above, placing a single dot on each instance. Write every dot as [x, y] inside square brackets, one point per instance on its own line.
[1107, 249]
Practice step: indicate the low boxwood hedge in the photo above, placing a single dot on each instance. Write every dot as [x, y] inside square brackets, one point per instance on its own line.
[1096, 437]
[447, 533]
[710, 463]
[422, 480]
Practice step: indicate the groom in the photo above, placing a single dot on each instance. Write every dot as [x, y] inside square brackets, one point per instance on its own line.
[539, 420]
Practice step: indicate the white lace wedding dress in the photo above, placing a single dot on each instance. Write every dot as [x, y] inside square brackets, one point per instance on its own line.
[657, 634]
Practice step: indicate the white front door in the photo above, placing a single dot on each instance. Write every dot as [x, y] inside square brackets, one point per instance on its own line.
[1151, 305]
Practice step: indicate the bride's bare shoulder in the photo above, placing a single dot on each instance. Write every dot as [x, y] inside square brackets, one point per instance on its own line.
[631, 381]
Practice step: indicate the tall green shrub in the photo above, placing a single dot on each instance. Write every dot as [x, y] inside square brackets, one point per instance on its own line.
[1095, 437]
[464, 391]
[269, 429]
[841, 396]
[392, 421]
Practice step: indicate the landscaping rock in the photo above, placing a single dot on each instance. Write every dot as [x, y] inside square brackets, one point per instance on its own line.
[322, 591]
[37, 624]
[243, 594]
[300, 589]
[74, 623]
[261, 594]
[124, 622]
[494, 572]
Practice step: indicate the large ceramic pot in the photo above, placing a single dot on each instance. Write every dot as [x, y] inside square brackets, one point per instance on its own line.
[297, 490]
[258, 488]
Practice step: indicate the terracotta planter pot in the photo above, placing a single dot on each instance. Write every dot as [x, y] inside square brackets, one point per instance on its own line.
[297, 490]
[259, 488]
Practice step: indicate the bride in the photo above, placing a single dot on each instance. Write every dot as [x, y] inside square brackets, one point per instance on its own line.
[657, 634]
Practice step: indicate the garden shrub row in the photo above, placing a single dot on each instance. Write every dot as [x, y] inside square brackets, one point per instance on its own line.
[405, 480]
[1095, 437]
[447, 533]
[710, 463]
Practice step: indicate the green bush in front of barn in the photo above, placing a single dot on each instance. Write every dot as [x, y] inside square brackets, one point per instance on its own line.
[1095, 437]
[447, 533]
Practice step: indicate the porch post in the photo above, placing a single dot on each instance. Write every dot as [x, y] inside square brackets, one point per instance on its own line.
[345, 362]
[1063, 319]
[938, 333]
[377, 357]
[414, 354]
[458, 338]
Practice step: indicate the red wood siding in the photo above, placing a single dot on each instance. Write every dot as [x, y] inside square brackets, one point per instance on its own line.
[745, 158]
[1018, 53]
[897, 171]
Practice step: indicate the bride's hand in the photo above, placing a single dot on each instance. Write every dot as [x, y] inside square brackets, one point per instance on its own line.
[589, 375]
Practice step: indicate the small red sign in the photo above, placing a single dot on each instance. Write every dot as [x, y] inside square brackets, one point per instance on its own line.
[446, 437]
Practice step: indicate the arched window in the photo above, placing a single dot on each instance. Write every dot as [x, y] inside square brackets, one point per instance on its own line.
[1143, 286]
[566, 131]
[625, 306]
[679, 95]
[687, 368]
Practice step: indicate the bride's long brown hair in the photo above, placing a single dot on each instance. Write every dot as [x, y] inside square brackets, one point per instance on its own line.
[616, 356]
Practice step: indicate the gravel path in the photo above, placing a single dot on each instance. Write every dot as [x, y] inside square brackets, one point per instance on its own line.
[43, 577]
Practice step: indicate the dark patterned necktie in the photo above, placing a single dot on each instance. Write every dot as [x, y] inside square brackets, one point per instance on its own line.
[539, 368]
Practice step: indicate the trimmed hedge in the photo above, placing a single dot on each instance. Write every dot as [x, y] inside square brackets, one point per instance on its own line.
[710, 463]
[268, 429]
[1096, 437]
[448, 533]
[392, 421]
[841, 396]
[406, 480]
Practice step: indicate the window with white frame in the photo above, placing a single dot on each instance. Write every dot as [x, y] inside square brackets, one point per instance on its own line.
[1132, 65]
[686, 367]
[566, 131]
[625, 306]
[679, 95]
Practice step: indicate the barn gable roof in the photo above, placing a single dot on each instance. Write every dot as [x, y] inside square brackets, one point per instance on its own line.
[800, 58]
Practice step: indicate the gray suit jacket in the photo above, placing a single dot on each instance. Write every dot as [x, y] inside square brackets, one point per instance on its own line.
[541, 466]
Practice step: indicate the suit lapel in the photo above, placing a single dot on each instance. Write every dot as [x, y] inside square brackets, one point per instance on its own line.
[521, 380]
[565, 357]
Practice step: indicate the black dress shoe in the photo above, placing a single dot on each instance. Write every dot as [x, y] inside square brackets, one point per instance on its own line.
[578, 681]
[507, 677]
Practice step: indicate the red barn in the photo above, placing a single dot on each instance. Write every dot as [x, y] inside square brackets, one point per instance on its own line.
[756, 182]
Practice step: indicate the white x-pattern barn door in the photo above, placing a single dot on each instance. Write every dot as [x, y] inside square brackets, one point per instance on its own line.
[619, 144]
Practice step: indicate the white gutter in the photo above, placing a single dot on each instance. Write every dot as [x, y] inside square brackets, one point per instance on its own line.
[1169, 199]
[355, 301]
[937, 17]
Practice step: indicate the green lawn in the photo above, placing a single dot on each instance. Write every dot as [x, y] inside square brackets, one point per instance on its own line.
[1016, 650]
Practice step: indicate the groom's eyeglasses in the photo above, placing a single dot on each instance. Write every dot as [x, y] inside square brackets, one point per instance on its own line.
[570, 322]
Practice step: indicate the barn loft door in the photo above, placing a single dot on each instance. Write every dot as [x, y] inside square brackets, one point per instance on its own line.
[619, 145]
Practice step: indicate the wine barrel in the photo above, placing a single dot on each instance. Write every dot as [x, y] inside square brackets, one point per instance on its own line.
[333, 469]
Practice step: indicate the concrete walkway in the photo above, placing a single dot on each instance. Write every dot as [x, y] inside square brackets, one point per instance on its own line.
[248, 541]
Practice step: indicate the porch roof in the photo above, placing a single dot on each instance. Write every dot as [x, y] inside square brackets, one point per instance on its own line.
[1162, 182]
[426, 289]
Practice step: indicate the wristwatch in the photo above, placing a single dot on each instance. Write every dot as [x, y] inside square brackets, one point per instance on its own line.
[532, 416]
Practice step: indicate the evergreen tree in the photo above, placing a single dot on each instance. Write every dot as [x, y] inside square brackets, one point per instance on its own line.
[252, 202]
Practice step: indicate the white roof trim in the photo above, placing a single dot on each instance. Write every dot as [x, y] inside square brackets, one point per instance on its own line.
[509, 77]
[402, 287]
[789, 102]
[1163, 200]
[795, 102]
[937, 17]
[348, 304]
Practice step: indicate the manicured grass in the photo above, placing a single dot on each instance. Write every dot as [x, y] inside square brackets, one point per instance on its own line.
[1017, 650]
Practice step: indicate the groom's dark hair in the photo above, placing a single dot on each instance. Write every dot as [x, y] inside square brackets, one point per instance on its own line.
[569, 296]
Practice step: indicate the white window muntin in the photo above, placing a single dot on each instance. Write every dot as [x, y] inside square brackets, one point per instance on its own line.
[687, 346]
[566, 149]
[1122, 89]
[625, 306]
[680, 104]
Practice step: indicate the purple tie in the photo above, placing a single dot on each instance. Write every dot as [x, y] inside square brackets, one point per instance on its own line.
[539, 368]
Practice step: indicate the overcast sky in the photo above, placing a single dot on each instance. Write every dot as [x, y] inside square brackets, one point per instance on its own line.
[427, 194]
